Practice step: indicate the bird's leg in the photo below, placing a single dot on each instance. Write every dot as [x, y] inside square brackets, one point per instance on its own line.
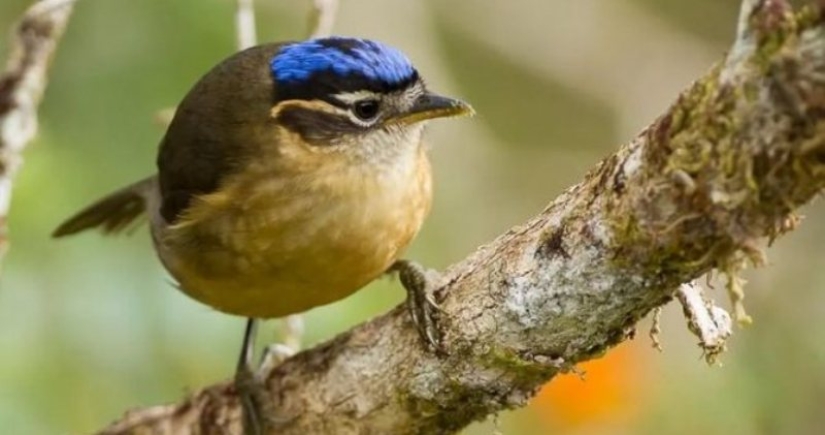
[252, 391]
[250, 382]
[419, 283]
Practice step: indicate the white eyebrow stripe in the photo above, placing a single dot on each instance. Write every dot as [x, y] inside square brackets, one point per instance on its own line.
[351, 97]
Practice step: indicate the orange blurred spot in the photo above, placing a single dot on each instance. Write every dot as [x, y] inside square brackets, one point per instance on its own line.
[611, 391]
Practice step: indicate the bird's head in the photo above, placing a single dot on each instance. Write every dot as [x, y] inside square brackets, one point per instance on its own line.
[353, 96]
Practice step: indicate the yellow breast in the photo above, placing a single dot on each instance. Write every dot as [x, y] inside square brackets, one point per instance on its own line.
[268, 245]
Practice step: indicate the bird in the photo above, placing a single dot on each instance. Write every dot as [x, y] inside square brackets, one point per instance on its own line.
[291, 175]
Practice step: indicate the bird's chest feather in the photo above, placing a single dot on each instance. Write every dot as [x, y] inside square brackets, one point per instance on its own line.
[333, 217]
[304, 240]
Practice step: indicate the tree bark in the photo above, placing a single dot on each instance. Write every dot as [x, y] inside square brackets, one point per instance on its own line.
[22, 84]
[700, 189]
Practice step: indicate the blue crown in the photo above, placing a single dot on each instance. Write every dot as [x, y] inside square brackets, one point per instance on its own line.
[297, 62]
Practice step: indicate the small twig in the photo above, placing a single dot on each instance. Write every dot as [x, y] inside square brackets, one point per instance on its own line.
[292, 331]
[163, 117]
[497, 424]
[711, 324]
[322, 18]
[245, 24]
[656, 328]
[21, 89]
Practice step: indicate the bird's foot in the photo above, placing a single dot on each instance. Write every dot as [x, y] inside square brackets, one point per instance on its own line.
[420, 285]
[256, 400]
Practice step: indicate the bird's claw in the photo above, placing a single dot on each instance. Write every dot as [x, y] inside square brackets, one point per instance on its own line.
[424, 310]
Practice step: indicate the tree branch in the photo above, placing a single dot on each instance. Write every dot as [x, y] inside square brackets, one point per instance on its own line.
[246, 35]
[699, 189]
[322, 18]
[21, 88]
[711, 324]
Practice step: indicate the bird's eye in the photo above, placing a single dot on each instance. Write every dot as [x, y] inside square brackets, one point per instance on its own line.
[366, 110]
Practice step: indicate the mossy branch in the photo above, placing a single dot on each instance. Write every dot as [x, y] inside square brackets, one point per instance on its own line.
[701, 188]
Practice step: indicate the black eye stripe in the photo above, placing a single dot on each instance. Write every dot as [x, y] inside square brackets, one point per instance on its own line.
[317, 127]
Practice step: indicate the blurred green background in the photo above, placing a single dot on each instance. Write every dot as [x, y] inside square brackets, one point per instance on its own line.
[90, 327]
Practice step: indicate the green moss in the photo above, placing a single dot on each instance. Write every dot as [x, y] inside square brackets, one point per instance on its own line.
[782, 32]
[517, 366]
[692, 146]
[808, 16]
[724, 167]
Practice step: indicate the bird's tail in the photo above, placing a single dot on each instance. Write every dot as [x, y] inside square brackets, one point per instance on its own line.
[112, 213]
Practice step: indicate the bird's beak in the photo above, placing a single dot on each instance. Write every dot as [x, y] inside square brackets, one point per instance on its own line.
[431, 106]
